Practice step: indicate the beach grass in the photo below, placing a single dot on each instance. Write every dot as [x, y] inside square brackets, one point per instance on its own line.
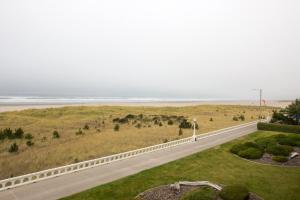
[216, 165]
[101, 138]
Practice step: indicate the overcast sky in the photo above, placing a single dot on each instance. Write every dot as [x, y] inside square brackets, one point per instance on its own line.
[157, 48]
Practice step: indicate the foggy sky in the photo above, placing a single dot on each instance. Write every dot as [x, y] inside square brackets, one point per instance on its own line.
[157, 48]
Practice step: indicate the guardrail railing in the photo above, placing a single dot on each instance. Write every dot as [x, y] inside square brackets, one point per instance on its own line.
[67, 169]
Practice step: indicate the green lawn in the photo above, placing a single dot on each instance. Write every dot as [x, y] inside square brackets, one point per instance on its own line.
[217, 165]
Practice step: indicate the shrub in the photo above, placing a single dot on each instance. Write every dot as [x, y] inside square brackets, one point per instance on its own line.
[170, 122]
[13, 148]
[19, 133]
[235, 118]
[160, 124]
[237, 148]
[138, 125]
[2, 136]
[185, 124]
[241, 147]
[264, 142]
[211, 119]
[79, 132]
[278, 150]
[29, 143]
[180, 132]
[251, 153]
[234, 192]
[130, 116]
[165, 140]
[278, 127]
[117, 127]
[86, 127]
[8, 133]
[55, 134]
[203, 193]
[28, 136]
[280, 158]
[242, 117]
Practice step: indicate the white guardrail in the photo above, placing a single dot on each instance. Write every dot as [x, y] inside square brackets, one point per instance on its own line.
[67, 169]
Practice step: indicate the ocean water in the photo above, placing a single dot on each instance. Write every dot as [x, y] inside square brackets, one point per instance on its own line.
[37, 100]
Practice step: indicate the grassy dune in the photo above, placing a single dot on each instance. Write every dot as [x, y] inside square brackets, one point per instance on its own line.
[216, 165]
[100, 139]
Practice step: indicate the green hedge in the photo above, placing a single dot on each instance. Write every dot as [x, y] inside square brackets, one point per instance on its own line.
[234, 192]
[278, 127]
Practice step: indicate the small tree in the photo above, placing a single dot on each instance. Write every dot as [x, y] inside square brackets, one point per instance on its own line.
[55, 134]
[117, 127]
[13, 148]
[293, 111]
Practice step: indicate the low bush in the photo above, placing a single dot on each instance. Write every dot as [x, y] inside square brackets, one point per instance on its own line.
[13, 148]
[235, 118]
[170, 122]
[264, 142]
[28, 136]
[279, 127]
[117, 127]
[203, 193]
[278, 150]
[234, 192]
[55, 134]
[8, 133]
[251, 153]
[241, 147]
[242, 117]
[86, 127]
[29, 143]
[237, 148]
[19, 133]
[79, 132]
[165, 140]
[185, 124]
[211, 119]
[138, 125]
[280, 158]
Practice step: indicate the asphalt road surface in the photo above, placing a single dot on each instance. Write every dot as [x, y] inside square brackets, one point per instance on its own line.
[79, 181]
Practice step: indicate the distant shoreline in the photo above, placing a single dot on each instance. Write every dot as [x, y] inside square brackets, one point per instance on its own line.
[24, 106]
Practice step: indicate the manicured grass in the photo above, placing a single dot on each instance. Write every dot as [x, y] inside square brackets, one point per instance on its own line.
[89, 132]
[216, 165]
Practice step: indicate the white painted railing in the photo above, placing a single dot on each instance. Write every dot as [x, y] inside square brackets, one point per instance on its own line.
[67, 169]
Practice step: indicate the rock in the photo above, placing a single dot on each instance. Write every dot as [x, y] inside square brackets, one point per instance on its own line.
[294, 155]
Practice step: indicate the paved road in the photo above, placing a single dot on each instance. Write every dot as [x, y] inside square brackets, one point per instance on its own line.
[76, 182]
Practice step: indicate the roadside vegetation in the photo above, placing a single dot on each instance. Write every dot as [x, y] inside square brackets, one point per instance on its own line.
[43, 136]
[279, 146]
[217, 165]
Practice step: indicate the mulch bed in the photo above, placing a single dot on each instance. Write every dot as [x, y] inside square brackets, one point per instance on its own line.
[267, 159]
[165, 192]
